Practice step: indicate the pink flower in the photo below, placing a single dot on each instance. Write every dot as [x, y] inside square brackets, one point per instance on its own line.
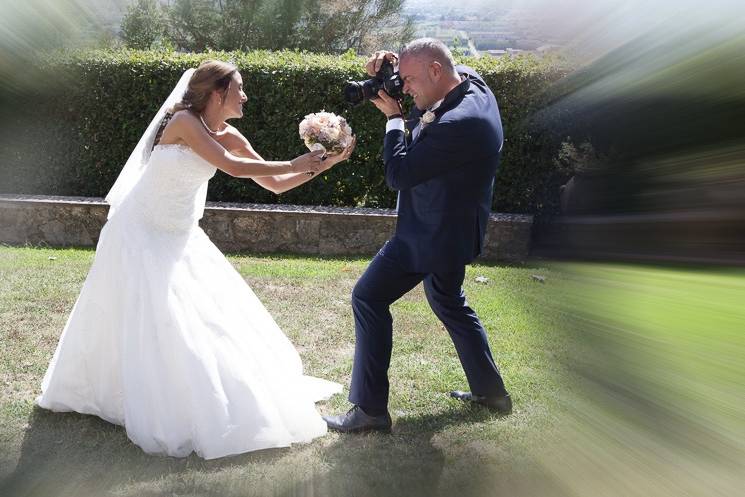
[325, 129]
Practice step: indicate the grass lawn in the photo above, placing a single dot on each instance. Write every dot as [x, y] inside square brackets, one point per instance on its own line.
[439, 446]
[628, 380]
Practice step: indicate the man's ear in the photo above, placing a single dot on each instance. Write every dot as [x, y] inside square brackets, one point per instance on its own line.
[435, 70]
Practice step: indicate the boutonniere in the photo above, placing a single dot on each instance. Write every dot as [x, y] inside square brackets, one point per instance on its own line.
[427, 118]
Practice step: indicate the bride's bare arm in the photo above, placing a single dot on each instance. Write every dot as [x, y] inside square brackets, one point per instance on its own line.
[185, 127]
[279, 183]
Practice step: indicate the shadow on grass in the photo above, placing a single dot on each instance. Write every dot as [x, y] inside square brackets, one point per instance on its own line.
[78, 455]
[68, 454]
[407, 462]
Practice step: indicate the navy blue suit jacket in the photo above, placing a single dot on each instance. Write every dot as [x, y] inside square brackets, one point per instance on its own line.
[445, 179]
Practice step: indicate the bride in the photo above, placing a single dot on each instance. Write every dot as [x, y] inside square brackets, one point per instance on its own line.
[166, 338]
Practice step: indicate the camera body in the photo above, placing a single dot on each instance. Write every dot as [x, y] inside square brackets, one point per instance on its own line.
[386, 79]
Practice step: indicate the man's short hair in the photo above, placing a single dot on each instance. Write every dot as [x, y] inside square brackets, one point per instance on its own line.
[429, 48]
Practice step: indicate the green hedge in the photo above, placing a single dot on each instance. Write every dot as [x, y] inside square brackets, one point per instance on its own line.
[78, 115]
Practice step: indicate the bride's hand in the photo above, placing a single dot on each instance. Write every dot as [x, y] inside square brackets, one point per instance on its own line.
[308, 163]
[332, 159]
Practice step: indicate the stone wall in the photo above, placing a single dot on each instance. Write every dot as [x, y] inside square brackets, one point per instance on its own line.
[77, 221]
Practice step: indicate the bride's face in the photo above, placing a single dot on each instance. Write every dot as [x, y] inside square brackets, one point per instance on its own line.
[234, 98]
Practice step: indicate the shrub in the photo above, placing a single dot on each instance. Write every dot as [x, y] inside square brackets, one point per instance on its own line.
[72, 134]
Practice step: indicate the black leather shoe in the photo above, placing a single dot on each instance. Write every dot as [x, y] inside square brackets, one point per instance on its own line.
[356, 420]
[502, 405]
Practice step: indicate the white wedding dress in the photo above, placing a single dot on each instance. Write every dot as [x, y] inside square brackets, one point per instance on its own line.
[169, 341]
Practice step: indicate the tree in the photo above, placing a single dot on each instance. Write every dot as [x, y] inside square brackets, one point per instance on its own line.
[195, 25]
[361, 25]
[280, 24]
[331, 26]
[143, 24]
[456, 49]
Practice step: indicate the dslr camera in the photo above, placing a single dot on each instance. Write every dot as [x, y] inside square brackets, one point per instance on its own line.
[386, 79]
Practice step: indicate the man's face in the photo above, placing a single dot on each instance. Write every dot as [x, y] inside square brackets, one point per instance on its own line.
[418, 81]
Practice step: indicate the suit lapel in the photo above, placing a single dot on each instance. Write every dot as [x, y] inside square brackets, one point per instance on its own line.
[451, 100]
[412, 123]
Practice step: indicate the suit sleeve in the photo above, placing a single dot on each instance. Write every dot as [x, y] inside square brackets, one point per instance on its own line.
[442, 149]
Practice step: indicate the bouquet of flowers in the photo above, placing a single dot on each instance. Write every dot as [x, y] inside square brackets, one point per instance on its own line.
[326, 131]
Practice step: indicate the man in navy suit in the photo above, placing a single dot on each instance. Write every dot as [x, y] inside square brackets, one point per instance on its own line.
[444, 176]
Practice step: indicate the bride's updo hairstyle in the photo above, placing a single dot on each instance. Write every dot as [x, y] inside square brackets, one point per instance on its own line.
[211, 75]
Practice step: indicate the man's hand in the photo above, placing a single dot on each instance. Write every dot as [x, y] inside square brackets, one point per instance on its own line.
[376, 61]
[385, 104]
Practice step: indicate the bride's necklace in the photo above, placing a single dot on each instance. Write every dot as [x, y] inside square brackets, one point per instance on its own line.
[207, 127]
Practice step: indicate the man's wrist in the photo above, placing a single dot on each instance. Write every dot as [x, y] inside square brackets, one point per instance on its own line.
[396, 123]
[395, 116]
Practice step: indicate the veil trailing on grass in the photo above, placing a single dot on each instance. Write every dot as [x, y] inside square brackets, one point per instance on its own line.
[138, 159]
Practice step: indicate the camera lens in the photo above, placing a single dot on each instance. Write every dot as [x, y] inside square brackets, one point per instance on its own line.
[353, 92]
[357, 91]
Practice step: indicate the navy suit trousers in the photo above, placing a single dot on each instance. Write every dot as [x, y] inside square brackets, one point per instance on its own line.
[384, 282]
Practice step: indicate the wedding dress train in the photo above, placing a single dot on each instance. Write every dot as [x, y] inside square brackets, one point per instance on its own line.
[168, 340]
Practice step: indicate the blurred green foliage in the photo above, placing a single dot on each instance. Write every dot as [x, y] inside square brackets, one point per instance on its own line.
[78, 114]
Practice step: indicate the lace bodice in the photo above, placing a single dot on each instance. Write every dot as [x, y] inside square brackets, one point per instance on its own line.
[173, 189]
